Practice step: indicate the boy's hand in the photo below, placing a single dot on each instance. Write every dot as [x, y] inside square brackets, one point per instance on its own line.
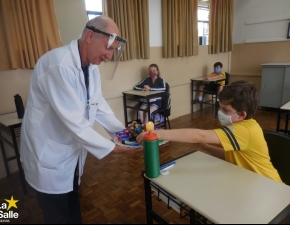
[207, 78]
[203, 146]
[140, 138]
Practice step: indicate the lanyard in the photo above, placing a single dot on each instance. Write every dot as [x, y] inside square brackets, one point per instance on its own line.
[87, 81]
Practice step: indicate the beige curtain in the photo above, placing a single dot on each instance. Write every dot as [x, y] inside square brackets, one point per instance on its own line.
[131, 16]
[28, 30]
[220, 26]
[179, 28]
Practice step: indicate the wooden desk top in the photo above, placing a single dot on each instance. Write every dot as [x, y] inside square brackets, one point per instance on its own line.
[222, 192]
[201, 79]
[10, 119]
[142, 93]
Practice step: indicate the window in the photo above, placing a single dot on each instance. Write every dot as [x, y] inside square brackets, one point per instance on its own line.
[202, 18]
[94, 8]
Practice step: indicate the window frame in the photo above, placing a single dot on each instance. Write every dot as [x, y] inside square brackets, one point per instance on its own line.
[93, 12]
[201, 7]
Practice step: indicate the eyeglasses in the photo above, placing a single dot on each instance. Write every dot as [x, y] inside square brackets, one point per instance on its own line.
[117, 52]
[112, 37]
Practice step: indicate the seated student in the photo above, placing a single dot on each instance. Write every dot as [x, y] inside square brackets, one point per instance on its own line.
[218, 73]
[152, 83]
[241, 140]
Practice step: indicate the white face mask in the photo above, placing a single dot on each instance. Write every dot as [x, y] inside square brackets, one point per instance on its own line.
[225, 119]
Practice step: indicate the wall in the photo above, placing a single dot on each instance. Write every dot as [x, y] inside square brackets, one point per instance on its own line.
[259, 35]
[71, 18]
[177, 72]
[260, 20]
[247, 59]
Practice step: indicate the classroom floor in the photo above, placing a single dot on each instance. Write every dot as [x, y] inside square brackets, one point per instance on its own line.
[112, 189]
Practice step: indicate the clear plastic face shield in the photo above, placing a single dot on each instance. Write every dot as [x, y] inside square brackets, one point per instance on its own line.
[115, 44]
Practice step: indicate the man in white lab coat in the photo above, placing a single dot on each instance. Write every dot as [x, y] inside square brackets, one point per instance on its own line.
[65, 98]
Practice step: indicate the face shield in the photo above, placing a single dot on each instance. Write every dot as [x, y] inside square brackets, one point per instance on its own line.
[115, 44]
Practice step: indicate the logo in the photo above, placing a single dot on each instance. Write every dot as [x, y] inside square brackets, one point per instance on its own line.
[6, 210]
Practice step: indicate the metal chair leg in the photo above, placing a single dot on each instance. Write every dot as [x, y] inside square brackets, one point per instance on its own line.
[168, 122]
[5, 158]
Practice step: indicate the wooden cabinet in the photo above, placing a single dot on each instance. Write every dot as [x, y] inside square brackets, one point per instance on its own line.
[275, 84]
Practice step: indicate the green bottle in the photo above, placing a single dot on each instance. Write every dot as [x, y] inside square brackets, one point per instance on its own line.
[151, 155]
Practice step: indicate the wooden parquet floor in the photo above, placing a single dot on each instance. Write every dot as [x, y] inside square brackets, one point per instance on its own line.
[112, 189]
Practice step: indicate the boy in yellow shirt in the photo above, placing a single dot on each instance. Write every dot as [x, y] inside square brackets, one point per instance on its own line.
[211, 86]
[241, 138]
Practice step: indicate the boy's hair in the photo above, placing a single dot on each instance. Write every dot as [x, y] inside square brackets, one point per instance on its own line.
[242, 96]
[218, 64]
[155, 65]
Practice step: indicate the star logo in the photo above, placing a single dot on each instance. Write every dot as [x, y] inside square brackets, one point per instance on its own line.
[12, 203]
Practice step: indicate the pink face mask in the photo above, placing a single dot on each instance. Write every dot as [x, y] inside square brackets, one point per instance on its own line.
[152, 74]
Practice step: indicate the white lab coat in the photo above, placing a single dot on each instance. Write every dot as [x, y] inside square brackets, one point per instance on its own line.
[56, 131]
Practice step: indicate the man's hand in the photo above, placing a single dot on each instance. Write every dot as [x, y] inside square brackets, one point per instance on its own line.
[122, 149]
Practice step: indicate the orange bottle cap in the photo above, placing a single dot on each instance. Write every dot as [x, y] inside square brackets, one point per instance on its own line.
[150, 136]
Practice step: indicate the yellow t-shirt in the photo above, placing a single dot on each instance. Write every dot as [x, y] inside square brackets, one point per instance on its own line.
[221, 83]
[250, 151]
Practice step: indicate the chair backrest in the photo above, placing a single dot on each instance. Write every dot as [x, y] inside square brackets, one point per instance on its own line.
[279, 151]
[168, 106]
[167, 102]
[228, 78]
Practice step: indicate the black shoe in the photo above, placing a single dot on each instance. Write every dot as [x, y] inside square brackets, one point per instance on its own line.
[196, 101]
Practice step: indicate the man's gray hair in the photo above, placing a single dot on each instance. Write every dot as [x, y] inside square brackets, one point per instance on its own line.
[99, 22]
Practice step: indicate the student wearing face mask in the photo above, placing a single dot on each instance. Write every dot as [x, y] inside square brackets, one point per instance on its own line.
[217, 73]
[152, 83]
[240, 141]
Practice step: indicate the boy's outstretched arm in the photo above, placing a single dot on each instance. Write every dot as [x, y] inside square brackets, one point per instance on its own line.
[189, 136]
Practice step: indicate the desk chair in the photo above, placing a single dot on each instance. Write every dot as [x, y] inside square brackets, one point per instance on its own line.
[284, 110]
[279, 151]
[213, 101]
[167, 111]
